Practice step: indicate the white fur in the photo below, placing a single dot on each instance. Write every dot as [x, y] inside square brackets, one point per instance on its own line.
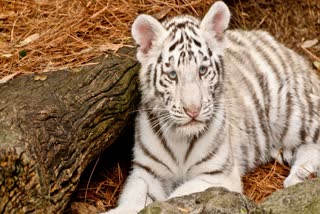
[228, 141]
[148, 34]
[307, 161]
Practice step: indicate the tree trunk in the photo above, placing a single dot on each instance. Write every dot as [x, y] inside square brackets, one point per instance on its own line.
[53, 124]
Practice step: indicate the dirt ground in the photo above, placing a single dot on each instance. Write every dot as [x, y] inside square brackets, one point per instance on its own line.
[45, 35]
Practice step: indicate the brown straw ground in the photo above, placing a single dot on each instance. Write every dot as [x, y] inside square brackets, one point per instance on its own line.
[46, 35]
[103, 190]
[265, 180]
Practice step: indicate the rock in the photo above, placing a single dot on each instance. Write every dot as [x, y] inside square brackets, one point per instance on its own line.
[301, 198]
[213, 200]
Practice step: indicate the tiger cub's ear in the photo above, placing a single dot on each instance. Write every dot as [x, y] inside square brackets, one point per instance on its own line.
[216, 21]
[146, 31]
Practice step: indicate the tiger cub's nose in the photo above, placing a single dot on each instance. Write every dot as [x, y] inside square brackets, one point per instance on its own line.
[192, 111]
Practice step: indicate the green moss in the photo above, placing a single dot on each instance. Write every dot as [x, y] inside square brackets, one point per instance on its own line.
[151, 210]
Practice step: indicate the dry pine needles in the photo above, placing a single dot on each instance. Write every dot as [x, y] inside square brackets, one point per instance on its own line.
[44, 35]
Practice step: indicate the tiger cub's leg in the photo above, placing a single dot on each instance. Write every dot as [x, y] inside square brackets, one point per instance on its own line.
[230, 180]
[141, 189]
[306, 163]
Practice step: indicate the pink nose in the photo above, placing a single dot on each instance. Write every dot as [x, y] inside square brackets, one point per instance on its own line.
[192, 111]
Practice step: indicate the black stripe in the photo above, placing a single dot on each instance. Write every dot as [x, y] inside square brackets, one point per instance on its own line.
[316, 135]
[288, 115]
[159, 60]
[244, 154]
[152, 156]
[191, 55]
[149, 71]
[152, 197]
[226, 167]
[294, 93]
[245, 145]
[191, 145]
[283, 82]
[181, 58]
[210, 155]
[157, 92]
[286, 62]
[197, 43]
[174, 45]
[310, 108]
[251, 133]
[260, 112]
[157, 130]
[221, 63]
[307, 112]
[205, 58]
[258, 153]
[209, 51]
[214, 172]
[170, 25]
[147, 169]
[161, 81]
[216, 146]
[302, 131]
[264, 84]
[217, 65]
[193, 31]
[181, 25]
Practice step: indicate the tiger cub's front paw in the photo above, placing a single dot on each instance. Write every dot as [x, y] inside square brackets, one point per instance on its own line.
[301, 173]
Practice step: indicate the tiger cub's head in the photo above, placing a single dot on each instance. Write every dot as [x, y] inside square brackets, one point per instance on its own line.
[182, 68]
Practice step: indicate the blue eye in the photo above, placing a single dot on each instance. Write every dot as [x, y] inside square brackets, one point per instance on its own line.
[203, 70]
[172, 75]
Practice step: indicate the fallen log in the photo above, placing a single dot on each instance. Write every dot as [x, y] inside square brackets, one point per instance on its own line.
[52, 125]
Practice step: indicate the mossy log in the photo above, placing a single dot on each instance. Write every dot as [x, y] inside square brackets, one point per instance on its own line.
[52, 125]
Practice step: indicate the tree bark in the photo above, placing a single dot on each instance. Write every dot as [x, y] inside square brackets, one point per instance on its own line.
[53, 124]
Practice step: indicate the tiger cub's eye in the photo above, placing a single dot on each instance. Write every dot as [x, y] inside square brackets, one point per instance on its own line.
[172, 75]
[203, 70]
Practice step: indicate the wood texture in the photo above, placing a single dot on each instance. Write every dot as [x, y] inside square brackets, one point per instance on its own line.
[53, 124]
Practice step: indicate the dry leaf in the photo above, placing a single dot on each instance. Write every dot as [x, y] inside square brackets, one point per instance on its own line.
[6, 55]
[316, 64]
[75, 70]
[109, 46]
[86, 50]
[184, 210]
[162, 14]
[9, 77]
[309, 43]
[29, 40]
[40, 77]
[7, 14]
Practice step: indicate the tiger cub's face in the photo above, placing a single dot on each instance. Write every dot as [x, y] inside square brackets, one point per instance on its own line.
[182, 68]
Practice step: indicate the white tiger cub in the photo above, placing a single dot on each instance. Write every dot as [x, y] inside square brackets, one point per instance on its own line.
[216, 104]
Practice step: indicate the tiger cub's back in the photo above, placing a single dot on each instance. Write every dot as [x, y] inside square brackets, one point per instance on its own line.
[272, 95]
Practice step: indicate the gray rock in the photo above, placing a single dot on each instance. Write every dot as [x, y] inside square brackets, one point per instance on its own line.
[213, 200]
[301, 198]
